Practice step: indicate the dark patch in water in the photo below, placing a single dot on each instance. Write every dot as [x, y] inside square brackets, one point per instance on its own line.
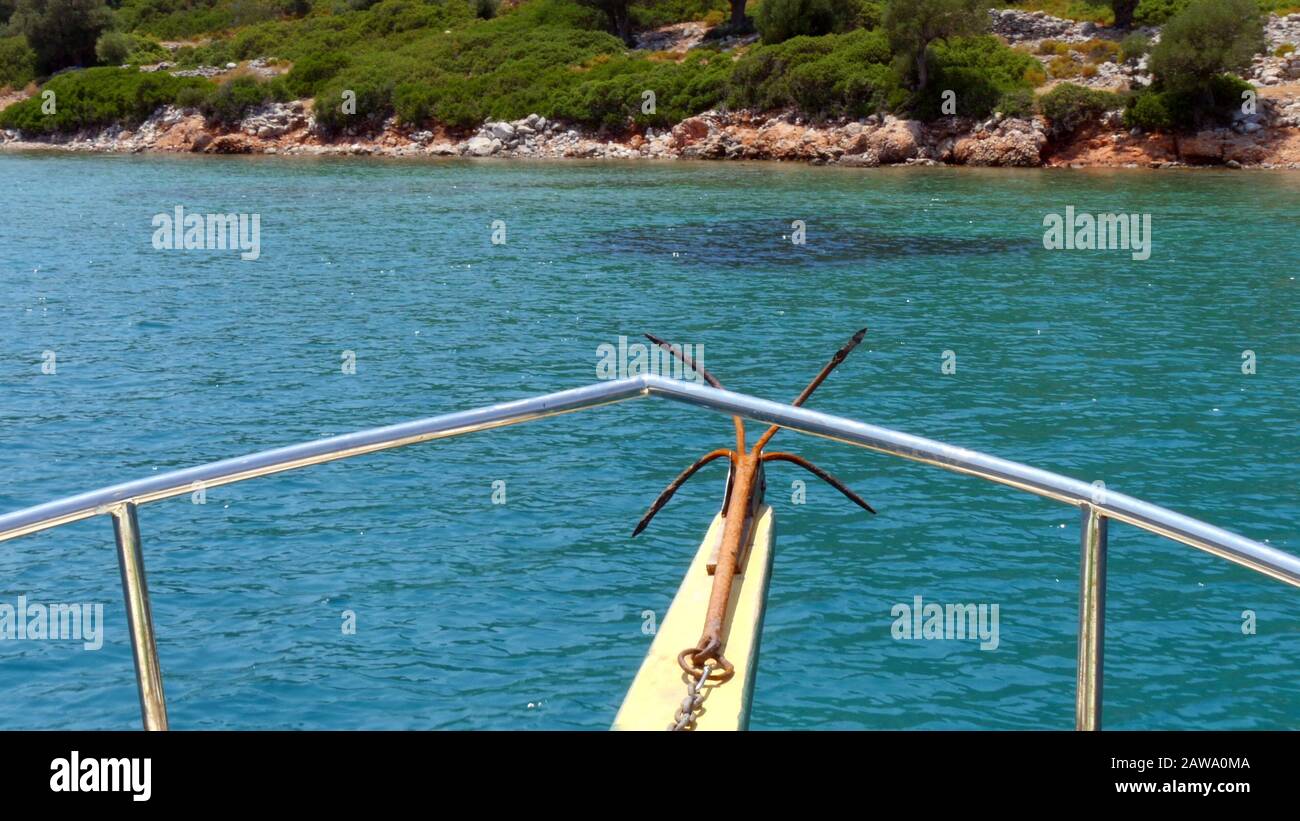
[752, 242]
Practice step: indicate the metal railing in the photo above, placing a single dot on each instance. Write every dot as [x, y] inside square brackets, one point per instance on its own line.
[1097, 505]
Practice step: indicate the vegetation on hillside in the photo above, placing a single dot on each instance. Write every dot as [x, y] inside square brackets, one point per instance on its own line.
[1136, 12]
[463, 62]
[1192, 64]
[98, 96]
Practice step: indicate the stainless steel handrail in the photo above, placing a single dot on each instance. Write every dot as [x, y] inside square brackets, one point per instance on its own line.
[1097, 504]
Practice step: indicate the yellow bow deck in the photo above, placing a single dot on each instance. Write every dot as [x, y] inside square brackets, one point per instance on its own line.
[660, 684]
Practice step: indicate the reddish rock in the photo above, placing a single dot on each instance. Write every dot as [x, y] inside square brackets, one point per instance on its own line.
[1223, 146]
[690, 130]
[230, 144]
[190, 134]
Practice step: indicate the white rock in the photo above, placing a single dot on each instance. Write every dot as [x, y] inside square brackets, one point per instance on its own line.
[482, 146]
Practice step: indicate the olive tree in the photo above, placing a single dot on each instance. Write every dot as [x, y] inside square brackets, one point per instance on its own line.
[914, 25]
[1205, 40]
[61, 32]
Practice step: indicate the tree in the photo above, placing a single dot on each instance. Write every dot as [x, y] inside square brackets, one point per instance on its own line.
[739, 23]
[113, 48]
[17, 62]
[1123, 12]
[1205, 40]
[914, 25]
[61, 32]
[620, 21]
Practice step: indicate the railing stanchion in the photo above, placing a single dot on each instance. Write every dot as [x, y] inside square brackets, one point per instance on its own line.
[139, 618]
[1092, 620]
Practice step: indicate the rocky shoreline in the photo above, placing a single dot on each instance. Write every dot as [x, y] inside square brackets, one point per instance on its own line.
[1266, 140]
[1269, 138]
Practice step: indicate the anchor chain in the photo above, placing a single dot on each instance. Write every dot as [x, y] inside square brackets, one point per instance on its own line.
[685, 718]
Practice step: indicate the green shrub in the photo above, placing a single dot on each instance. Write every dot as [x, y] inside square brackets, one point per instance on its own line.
[837, 74]
[1017, 103]
[1226, 92]
[253, 42]
[98, 97]
[358, 100]
[113, 47]
[116, 47]
[1134, 46]
[614, 92]
[17, 62]
[193, 97]
[311, 72]
[394, 16]
[230, 101]
[871, 13]
[144, 50]
[976, 95]
[667, 12]
[1070, 106]
[1165, 110]
[984, 74]
[1157, 12]
[1152, 111]
[486, 9]
[414, 102]
[182, 19]
[812, 86]
[779, 20]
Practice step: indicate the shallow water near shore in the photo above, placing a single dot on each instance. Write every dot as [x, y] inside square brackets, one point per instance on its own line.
[530, 614]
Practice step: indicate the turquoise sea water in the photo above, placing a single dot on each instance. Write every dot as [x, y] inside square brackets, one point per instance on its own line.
[529, 614]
